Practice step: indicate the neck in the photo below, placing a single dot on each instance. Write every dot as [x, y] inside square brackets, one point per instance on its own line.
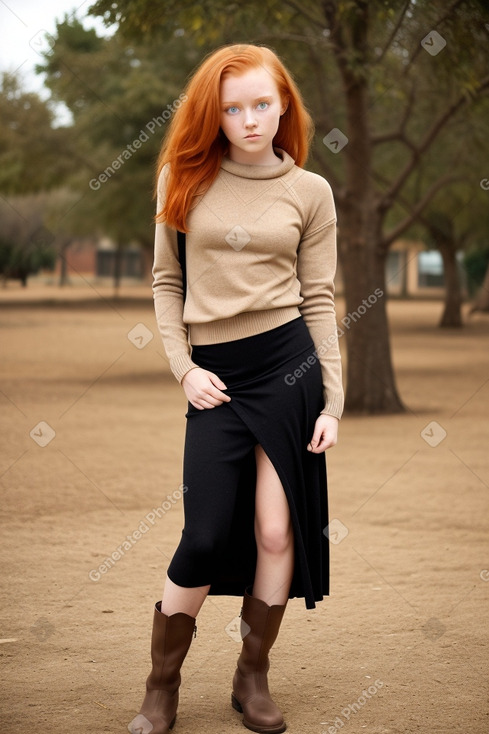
[266, 157]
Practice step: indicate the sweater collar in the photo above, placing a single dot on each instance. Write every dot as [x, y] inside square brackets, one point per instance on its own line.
[246, 170]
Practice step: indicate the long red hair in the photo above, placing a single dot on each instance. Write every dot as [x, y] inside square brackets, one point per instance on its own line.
[195, 144]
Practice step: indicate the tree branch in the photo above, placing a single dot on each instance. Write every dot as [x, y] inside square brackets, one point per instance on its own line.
[330, 9]
[315, 20]
[398, 134]
[425, 144]
[322, 86]
[440, 20]
[388, 137]
[282, 36]
[396, 231]
[394, 31]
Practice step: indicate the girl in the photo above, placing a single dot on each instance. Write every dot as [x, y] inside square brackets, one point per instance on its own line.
[254, 345]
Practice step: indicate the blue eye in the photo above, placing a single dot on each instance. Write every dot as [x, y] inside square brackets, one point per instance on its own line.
[232, 110]
[262, 105]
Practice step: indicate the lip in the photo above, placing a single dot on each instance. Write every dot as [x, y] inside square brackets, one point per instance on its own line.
[252, 136]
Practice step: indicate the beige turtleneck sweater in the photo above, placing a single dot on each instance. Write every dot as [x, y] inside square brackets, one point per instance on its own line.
[261, 251]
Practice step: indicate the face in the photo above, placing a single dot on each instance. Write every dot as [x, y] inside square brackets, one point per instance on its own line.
[250, 115]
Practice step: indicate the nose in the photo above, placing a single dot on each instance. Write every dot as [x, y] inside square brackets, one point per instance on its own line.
[250, 120]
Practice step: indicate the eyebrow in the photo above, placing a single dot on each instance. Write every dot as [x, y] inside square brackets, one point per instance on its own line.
[264, 98]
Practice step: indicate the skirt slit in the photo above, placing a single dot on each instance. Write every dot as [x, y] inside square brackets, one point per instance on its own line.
[274, 381]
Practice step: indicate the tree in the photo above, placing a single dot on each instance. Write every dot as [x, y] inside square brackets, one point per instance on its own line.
[29, 142]
[26, 245]
[31, 161]
[388, 82]
[121, 97]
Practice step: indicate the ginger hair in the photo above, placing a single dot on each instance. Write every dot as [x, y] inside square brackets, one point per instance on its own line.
[195, 143]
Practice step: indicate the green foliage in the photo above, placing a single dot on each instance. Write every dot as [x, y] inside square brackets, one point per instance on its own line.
[26, 244]
[115, 90]
[29, 144]
[476, 262]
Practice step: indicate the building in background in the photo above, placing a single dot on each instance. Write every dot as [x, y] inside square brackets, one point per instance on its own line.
[98, 261]
[411, 270]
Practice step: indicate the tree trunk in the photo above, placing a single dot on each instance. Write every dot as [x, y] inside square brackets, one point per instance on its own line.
[117, 269]
[452, 312]
[63, 275]
[371, 384]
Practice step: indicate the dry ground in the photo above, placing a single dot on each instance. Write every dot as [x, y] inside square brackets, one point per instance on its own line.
[408, 611]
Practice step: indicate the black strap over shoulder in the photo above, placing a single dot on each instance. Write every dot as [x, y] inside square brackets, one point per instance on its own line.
[183, 260]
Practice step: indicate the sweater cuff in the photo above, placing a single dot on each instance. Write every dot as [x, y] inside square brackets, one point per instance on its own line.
[181, 364]
[334, 406]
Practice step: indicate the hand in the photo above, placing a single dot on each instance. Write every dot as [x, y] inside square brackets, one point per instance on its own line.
[325, 434]
[203, 388]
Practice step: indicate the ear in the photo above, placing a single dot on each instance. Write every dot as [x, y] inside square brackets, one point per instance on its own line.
[285, 105]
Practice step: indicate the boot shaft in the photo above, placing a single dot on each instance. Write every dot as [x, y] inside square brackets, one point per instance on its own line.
[260, 625]
[170, 642]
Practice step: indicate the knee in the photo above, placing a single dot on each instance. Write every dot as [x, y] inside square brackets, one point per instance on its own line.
[274, 538]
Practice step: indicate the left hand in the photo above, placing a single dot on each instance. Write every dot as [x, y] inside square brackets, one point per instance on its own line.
[325, 434]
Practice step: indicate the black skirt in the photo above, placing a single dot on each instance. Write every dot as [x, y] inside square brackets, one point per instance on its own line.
[274, 381]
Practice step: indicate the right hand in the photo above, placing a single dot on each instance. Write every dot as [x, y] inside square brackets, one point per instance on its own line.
[203, 389]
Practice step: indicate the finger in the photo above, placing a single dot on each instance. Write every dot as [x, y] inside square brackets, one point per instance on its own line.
[208, 401]
[206, 405]
[317, 449]
[217, 381]
[322, 446]
[315, 440]
[196, 405]
[218, 395]
[215, 398]
[326, 443]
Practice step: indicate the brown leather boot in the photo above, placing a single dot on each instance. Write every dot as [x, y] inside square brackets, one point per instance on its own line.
[259, 628]
[170, 642]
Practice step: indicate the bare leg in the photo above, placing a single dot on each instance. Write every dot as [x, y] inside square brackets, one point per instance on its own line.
[275, 545]
[274, 535]
[182, 599]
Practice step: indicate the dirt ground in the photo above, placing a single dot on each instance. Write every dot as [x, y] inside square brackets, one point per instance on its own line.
[92, 434]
